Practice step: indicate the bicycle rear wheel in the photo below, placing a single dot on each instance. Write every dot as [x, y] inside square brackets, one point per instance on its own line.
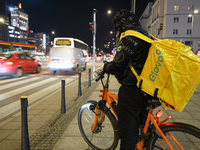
[105, 137]
[188, 136]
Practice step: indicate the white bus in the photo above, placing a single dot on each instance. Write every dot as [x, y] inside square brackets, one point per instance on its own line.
[67, 55]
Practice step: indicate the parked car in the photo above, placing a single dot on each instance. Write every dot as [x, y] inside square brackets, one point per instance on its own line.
[17, 64]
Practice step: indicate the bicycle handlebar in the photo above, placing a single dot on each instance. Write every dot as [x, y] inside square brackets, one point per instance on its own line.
[100, 75]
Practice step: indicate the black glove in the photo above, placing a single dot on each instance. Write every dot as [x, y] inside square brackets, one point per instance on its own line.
[105, 67]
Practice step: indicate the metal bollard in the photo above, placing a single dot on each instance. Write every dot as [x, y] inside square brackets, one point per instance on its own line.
[63, 108]
[89, 83]
[79, 85]
[24, 137]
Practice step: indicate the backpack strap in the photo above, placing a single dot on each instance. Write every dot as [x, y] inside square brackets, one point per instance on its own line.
[142, 37]
[138, 35]
[134, 72]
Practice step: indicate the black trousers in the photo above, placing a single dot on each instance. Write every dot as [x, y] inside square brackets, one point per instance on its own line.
[131, 113]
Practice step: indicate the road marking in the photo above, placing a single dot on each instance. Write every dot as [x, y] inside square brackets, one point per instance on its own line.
[3, 87]
[8, 80]
[25, 88]
[12, 107]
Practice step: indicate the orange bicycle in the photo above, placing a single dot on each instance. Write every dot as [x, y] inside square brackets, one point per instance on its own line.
[97, 123]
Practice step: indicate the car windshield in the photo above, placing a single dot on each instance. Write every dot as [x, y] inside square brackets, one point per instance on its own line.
[7, 56]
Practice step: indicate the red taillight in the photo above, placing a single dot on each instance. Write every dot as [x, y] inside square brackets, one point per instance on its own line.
[8, 63]
[159, 113]
[73, 60]
[49, 60]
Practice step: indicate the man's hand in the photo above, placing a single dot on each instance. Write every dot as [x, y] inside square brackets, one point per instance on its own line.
[105, 67]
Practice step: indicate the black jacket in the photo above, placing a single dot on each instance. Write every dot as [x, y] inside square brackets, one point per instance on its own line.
[130, 50]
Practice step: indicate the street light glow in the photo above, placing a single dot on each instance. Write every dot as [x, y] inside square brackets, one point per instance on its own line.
[11, 9]
[109, 11]
[196, 11]
[1, 20]
[111, 32]
[53, 32]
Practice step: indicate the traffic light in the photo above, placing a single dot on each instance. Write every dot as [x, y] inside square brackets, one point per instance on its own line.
[91, 26]
[161, 26]
[158, 31]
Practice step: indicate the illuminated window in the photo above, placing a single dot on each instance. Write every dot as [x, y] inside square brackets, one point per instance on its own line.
[176, 8]
[190, 7]
[176, 19]
[175, 31]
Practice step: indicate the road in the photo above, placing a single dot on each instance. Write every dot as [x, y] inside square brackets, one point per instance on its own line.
[35, 86]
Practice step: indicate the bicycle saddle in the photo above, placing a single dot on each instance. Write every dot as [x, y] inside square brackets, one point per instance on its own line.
[153, 103]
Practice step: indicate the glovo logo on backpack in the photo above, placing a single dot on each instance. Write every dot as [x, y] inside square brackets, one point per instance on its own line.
[156, 69]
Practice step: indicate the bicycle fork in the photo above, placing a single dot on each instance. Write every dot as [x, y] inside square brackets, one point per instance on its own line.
[97, 113]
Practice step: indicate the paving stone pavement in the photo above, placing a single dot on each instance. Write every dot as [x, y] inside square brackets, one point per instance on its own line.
[49, 129]
[46, 123]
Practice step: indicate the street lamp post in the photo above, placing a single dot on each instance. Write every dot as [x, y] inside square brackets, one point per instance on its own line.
[52, 33]
[116, 36]
[133, 6]
[94, 40]
[1, 22]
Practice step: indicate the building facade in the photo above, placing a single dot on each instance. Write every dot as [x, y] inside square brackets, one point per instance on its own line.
[41, 42]
[19, 19]
[15, 33]
[3, 13]
[174, 19]
[3, 21]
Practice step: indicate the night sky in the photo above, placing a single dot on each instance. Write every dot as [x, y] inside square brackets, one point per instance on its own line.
[70, 18]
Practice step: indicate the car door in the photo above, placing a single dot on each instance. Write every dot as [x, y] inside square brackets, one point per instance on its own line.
[31, 65]
[21, 62]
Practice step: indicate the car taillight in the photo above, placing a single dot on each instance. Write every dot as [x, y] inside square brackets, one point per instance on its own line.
[49, 60]
[73, 60]
[8, 63]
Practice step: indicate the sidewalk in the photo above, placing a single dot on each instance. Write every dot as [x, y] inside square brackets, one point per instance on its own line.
[49, 129]
[71, 139]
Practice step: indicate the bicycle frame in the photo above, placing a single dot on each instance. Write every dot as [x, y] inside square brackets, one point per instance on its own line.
[109, 98]
[156, 123]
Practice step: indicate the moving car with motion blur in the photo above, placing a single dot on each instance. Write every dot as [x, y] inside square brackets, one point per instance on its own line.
[17, 64]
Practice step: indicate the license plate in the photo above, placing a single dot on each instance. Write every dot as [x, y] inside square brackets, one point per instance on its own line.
[55, 60]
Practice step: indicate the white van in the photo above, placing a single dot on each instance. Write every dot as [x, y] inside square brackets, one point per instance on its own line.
[85, 53]
[67, 55]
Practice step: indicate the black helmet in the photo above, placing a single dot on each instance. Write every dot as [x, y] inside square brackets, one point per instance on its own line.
[126, 20]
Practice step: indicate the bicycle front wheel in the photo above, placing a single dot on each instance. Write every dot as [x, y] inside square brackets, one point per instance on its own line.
[186, 135]
[105, 136]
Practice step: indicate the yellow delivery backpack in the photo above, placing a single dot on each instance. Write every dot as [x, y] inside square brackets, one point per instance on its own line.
[171, 71]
